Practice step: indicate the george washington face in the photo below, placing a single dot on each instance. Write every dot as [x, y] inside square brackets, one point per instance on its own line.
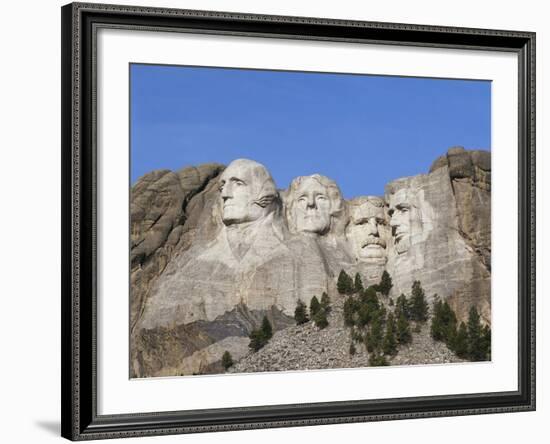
[246, 190]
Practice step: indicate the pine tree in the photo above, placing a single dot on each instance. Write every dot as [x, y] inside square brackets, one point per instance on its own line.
[314, 306]
[325, 302]
[300, 313]
[437, 328]
[320, 319]
[364, 315]
[377, 360]
[418, 306]
[341, 283]
[260, 337]
[367, 306]
[227, 360]
[369, 343]
[402, 306]
[385, 284]
[460, 345]
[358, 284]
[375, 335]
[356, 336]
[349, 312]
[403, 329]
[476, 348]
[257, 340]
[486, 343]
[345, 283]
[267, 330]
[390, 344]
[449, 322]
[370, 298]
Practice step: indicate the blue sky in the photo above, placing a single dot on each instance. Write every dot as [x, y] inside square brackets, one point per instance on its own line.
[362, 131]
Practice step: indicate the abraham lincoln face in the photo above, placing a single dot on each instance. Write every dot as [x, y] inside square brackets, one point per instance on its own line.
[247, 192]
[401, 213]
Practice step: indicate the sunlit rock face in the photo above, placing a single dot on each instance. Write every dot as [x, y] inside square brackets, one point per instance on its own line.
[250, 263]
[316, 216]
[165, 209]
[250, 260]
[470, 175]
[214, 249]
[428, 241]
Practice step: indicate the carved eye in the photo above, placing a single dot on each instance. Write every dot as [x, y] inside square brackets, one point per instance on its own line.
[239, 183]
[390, 213]
[321, 197]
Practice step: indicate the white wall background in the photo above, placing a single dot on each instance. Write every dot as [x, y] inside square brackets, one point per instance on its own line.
[30, 220]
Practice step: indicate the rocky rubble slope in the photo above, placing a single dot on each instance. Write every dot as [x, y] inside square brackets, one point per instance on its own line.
[306, 347]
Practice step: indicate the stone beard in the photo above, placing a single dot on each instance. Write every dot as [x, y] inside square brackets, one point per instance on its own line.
[313, 202]
[401, 213]
[367, 229]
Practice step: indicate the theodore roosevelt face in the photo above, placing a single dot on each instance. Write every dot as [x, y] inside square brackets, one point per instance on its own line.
[367, 228]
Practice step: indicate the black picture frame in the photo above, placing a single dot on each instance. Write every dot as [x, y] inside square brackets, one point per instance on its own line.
[80, 420]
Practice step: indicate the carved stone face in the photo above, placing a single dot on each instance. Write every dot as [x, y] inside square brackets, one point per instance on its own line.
[400, 213]
[247, 191]
[367, 229]
[314, 205]
[311, 207]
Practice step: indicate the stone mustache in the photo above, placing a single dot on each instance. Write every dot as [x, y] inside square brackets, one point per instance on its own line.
[237, 249]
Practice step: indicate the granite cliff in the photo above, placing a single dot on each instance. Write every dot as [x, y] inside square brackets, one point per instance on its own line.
[214, 249]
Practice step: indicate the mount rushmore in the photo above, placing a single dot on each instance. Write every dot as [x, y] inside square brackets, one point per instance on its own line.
[214, 249]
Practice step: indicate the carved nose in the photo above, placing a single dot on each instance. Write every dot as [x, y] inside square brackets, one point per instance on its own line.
[311, 202]
[372, 228]
[225, 193]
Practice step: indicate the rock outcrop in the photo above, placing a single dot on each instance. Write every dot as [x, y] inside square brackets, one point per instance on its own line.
[165, 210]
[441, 225]
[214, 249]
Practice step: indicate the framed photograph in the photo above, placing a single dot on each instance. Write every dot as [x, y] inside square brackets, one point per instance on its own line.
[275, 221]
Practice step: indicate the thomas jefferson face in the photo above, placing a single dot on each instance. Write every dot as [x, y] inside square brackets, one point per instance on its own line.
[367, 229]
[400, 219]
[246, 190]
[312, 207]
